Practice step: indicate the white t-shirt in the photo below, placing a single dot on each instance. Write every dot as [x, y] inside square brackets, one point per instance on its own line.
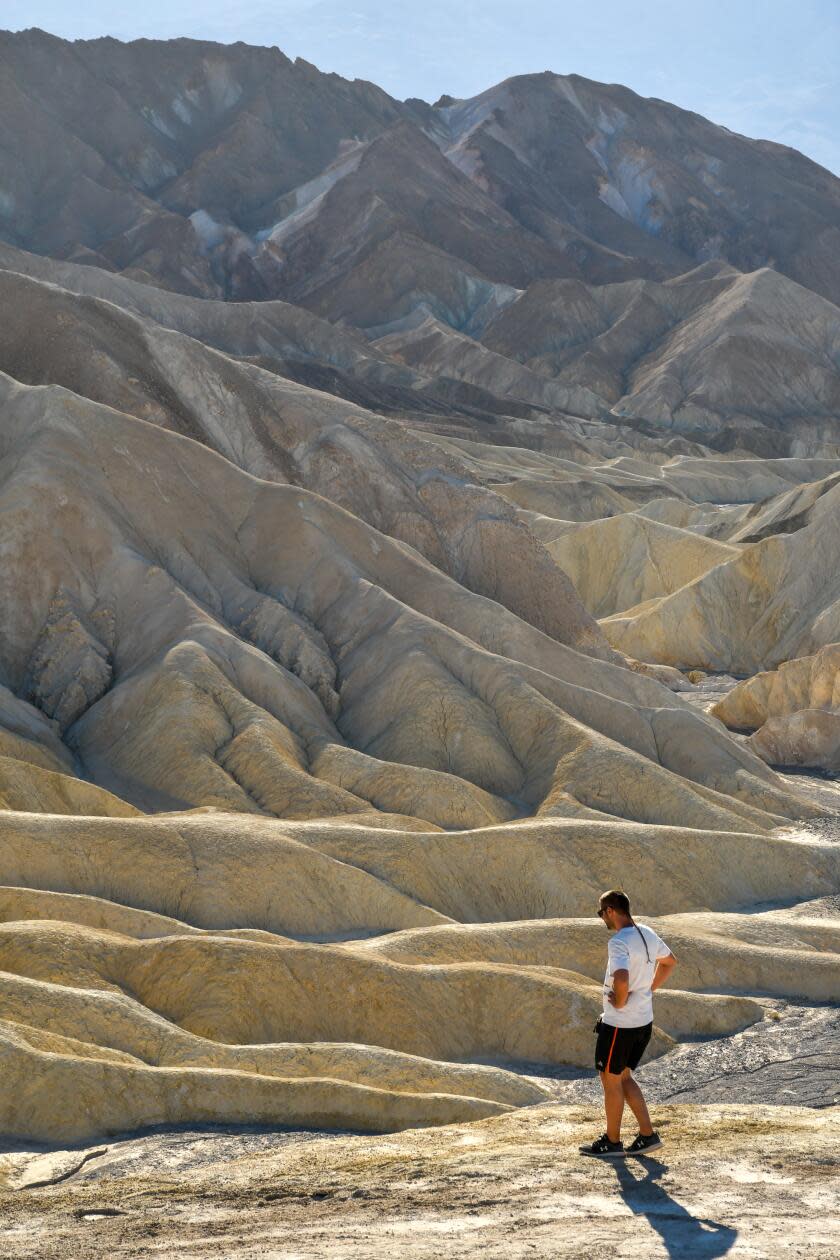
[627, 950]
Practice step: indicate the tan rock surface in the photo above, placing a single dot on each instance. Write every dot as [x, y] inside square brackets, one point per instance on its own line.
[809, 682]
[793, 711]
[105, 1023]
[432, 346]
[750, 953]
[775, 601]
[97, 1096]
[783, 513]
[209, 870]
[329, 878]
[810, 737]
[280, 431]
[627, 560]
[29, 788]
[246, 992]
[271, 330]
[370, 749]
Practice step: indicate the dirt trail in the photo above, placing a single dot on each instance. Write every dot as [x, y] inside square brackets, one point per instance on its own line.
[733, 1181]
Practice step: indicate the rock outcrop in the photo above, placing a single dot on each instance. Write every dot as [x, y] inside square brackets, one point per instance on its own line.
[794, 711]
[776, 600]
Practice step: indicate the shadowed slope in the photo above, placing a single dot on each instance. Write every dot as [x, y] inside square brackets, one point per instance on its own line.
[743, 361]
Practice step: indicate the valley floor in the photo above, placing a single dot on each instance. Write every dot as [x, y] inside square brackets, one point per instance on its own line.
[739, 1181]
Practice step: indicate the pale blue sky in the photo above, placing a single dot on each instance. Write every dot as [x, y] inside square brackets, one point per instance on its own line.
[768, 68]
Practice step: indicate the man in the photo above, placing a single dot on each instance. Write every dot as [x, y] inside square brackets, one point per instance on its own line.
[639, 962]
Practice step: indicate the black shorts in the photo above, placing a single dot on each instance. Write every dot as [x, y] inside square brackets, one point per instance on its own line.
[620, 1048]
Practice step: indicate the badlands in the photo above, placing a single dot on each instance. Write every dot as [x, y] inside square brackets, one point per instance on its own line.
[414, 519]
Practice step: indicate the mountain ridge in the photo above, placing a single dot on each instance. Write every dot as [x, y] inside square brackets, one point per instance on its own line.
[662, 183]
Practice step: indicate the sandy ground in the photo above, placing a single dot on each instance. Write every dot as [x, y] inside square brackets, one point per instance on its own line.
[730, 1181]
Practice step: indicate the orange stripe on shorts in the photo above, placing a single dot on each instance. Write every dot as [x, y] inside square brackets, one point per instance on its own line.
[609, 1056]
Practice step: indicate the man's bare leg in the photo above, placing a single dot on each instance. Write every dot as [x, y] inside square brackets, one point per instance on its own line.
[635, 1100]
[613, 1088]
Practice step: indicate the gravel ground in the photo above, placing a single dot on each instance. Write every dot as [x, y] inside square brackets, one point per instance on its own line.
[792, 1057]
[712, 688]
[752, 1183]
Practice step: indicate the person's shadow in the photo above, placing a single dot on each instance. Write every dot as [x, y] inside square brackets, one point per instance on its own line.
[684, 1235]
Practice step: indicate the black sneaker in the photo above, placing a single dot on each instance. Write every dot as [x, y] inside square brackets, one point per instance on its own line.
[604, 1148]
[641, 1145]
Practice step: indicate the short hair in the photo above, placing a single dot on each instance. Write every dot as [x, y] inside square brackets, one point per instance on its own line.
[615, 899]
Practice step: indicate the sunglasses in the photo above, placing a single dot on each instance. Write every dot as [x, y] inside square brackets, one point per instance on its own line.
[600, 913]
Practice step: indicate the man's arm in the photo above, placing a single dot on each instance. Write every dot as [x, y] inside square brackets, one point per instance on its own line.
[620, 990]
[664, 967]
